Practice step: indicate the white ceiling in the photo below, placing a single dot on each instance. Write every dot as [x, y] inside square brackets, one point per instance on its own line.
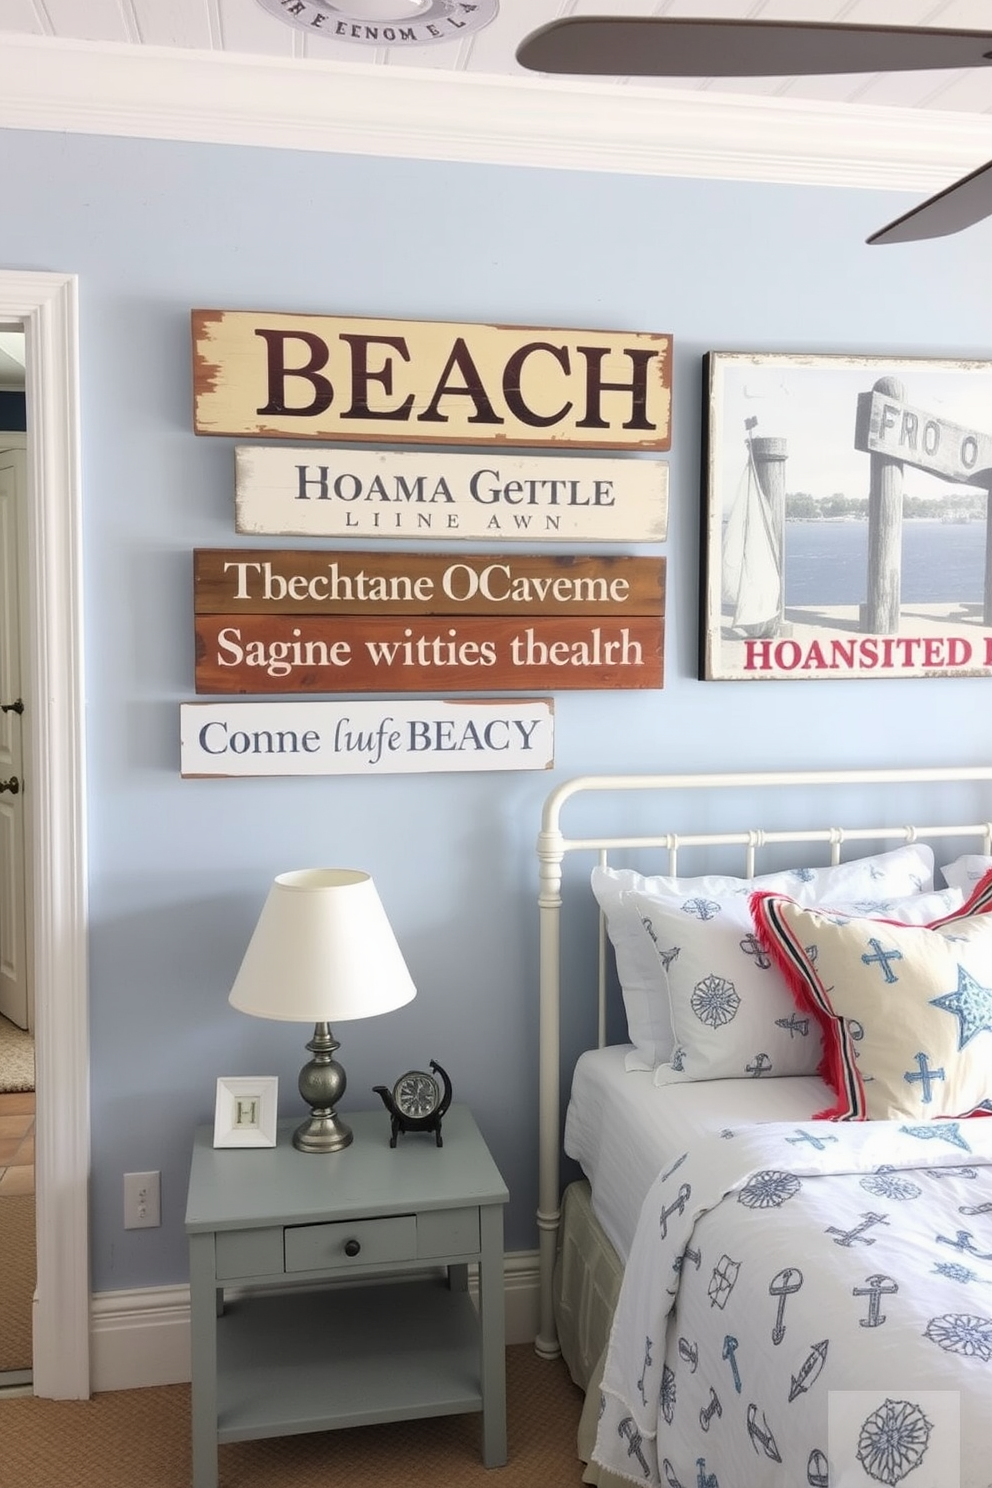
[246, 28]
[230, 71]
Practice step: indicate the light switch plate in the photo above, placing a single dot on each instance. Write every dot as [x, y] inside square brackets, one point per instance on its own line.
[142, 1201]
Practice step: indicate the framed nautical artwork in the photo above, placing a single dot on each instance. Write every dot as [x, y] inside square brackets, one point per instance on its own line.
[846, 517]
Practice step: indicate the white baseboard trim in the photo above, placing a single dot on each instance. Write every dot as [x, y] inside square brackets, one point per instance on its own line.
[523, 1300]
[141, 1337]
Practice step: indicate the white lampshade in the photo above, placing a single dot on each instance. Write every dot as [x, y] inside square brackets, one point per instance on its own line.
[323, 951]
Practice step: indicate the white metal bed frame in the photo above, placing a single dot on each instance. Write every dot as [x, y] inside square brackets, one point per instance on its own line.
[552, 847]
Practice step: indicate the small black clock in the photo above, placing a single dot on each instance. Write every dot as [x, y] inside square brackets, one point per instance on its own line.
[417, 1102]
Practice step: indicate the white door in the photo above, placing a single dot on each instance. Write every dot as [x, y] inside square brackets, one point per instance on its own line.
[15, 1000]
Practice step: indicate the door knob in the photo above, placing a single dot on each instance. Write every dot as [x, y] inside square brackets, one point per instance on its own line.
[17, 707]
[13, 785]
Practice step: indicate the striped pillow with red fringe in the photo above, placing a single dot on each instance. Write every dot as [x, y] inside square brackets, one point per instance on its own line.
[905, 1010]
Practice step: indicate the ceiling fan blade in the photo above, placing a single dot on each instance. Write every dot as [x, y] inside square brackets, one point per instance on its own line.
[664, 46]
[965, 202]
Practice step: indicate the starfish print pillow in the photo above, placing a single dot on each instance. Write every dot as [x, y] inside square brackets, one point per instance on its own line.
[905, 1011]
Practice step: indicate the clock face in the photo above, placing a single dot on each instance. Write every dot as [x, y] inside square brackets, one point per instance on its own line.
[417, 1094]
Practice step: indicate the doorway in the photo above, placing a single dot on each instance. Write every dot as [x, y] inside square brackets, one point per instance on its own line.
[17, 1084]
[16, 1001]
[44, 306]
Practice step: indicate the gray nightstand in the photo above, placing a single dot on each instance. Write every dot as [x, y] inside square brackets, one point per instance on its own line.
[402, 1338]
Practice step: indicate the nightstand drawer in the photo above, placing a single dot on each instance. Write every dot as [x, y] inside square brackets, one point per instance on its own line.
[347, 1243]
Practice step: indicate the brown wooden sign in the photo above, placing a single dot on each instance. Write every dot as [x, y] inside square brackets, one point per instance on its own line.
[429, 382]
[310, 622]
[258, 581]
[273, 653]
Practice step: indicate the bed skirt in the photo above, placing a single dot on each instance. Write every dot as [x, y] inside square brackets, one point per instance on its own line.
[587, 1279]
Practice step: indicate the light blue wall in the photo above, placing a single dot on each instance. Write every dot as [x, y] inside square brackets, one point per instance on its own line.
[178, 869]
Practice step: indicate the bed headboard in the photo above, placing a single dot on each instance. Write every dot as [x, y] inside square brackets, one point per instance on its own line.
[826, 838]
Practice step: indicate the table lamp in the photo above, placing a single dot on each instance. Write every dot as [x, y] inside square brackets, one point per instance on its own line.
[322, 951]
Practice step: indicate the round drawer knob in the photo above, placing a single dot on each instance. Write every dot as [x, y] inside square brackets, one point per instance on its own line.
[352, 1247]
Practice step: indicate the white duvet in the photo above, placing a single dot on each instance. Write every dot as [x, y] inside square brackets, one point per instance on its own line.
[809, 1306]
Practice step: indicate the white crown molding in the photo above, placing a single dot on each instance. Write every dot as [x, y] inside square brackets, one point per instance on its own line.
[230, 98]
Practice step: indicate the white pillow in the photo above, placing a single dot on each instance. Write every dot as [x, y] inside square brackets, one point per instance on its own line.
[896, 874]
[733, 1014]
[966, 871]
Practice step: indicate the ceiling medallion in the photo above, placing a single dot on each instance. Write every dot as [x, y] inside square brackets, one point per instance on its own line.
[399, 23]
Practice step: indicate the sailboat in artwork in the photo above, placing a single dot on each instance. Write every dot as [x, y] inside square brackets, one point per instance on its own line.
[752, 560]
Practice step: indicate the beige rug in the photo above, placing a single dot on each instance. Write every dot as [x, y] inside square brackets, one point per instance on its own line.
[17, 1281]
[16, 1058]
[140, 1439]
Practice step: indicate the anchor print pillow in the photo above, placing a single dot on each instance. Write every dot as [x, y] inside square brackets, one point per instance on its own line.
[968, 870]
[905, 1010]
[641, 973]
[733, 1016]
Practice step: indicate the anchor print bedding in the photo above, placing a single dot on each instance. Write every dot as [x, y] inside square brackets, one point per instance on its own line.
[809, 1306]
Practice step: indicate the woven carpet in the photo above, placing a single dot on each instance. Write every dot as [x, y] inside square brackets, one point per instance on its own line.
[16, 1057]
[17, 1279]
[140, 1439]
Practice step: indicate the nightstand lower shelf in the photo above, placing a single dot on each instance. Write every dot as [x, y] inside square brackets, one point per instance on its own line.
[408, 1349]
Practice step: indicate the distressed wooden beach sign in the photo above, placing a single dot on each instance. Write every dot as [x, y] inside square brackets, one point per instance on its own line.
[274, 621]
[337, 492]
[429, 382]
[365, 738]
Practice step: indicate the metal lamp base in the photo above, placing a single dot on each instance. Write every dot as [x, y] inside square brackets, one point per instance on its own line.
[322, 1083]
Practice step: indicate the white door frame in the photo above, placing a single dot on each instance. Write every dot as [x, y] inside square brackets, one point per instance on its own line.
[54, 805]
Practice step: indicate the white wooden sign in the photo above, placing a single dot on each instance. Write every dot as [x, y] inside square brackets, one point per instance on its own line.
[888, 426]
[365, 738]
[334, 492]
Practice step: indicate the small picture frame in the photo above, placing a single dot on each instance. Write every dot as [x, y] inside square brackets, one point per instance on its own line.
[246, 1111]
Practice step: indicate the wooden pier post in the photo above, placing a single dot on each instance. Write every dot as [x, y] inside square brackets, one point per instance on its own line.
[880, 615]
[769, 455]
[987, 590]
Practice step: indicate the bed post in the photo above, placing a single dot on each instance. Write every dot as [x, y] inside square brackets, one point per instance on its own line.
[550, 851]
